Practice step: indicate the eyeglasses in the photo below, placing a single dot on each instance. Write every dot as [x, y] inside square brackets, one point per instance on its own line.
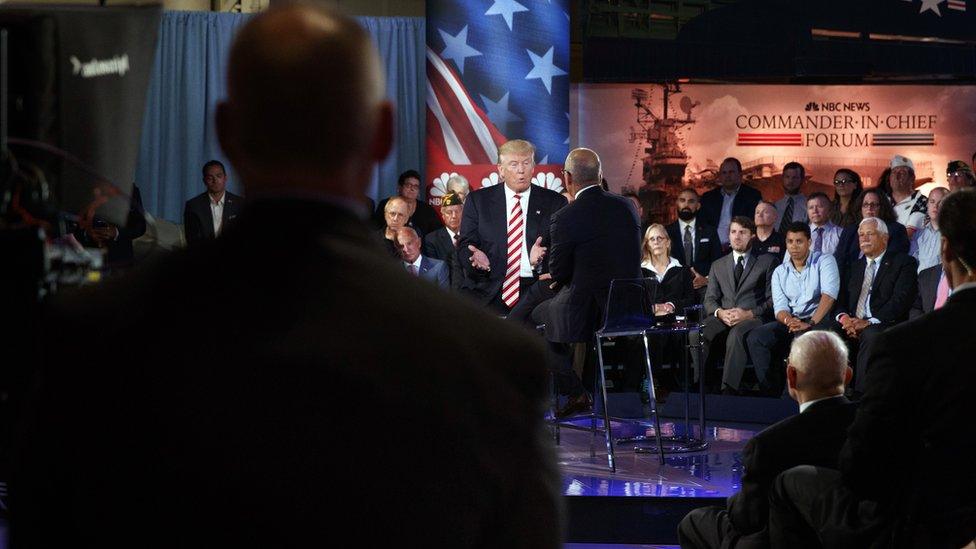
[839, 182]
[871, 205]
[656, 238]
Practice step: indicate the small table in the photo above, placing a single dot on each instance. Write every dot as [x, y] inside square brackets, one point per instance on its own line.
[688, 442]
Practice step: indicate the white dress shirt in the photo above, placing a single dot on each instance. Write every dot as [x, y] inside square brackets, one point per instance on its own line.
[217, 212]
[525, 267]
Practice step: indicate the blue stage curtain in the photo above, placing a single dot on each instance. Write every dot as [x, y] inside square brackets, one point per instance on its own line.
[189, 78]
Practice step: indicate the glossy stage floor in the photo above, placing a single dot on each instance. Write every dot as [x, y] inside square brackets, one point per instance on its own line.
[643, 501]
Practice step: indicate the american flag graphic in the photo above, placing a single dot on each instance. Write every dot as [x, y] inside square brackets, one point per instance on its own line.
[496, 70]
[769, 139]
[958, 5]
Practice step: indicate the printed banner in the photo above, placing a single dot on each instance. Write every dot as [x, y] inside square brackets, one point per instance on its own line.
[655, 139]
[496, 70]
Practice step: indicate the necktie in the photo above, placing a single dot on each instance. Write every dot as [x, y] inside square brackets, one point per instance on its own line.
[787, 216]
[413, 269]
[510, 288]
[865, 289]
[457, 237]
[689, 246]
[739, 267]
[942, 293]
[818, 240]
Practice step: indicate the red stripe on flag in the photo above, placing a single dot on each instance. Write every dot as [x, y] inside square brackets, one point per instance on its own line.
[457, 118]
[769, 135]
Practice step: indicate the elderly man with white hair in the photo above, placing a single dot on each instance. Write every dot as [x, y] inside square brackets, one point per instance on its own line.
[816, 373]
[877, 293]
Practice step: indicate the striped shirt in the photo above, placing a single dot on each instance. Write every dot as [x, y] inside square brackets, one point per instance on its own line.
[926, 247]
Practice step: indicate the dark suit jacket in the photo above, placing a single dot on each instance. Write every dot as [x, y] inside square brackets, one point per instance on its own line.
[892, 292]
[435, 271]
[225, 435]
[119, 251]
[484, 225]
[674, 288]
[708, 247]
[848, 249]
[814, 437]
[744, 203]
[438, 245]
[928, 288]
[198, 219]
[755, 292]
[595, 240]
[920, 393]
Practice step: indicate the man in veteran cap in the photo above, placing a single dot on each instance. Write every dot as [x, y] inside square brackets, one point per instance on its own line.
[959, 175]
[442, 243]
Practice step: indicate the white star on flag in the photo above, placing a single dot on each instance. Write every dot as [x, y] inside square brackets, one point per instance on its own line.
[506, 8]
[456, 48]
[543, 69]
[931, 5]
[498, 112]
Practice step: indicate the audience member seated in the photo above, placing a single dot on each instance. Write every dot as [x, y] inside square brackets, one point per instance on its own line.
[847, 187]
[695, 244]
[805, 288]
[926, 243]
[738, 299]
[674, 291]
[816, 373]
[206, 215]
[878, 292]
[434, 270]
[908, 202]
[458, 184]
[825, 235]
[768, 240]
[905, 474]
[793, 206]
[396, 215]
[420, 215]
[730, 199]
[933, 291]
[871, 203]
[95, 232]
[960, 175]
[640, 209]
[442, 243]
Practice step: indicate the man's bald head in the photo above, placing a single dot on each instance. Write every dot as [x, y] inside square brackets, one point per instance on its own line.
[305, 102]
[582, 168]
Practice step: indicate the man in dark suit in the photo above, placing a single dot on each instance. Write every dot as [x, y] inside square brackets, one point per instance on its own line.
[500, 230]
[931, 282]
[905, 477]
[227, 436]
[595, 240]
[739, 298]
[206, 215]
[442, 243]
[434, 270]
[877, 294]
[731, 199]
[815, 373]
[695, 245]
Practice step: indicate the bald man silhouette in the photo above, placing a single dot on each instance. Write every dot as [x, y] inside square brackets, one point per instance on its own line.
[292, 417]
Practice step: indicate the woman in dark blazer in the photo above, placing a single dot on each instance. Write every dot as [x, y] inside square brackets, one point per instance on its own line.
[674, 293]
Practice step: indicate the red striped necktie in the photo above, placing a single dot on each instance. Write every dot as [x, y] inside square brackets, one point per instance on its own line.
[510, 288]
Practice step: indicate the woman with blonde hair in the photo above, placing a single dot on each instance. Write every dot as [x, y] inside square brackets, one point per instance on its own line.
[675, 291]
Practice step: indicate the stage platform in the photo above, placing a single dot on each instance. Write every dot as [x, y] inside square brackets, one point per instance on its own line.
[642, 503]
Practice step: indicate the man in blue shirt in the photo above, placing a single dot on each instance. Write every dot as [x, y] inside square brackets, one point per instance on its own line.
[805, 288]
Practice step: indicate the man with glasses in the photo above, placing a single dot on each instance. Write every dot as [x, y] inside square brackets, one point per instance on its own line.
[878, 293]
[960, 176]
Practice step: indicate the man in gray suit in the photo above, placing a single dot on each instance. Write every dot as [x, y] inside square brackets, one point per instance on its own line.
[428, 268]
[738, 299]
